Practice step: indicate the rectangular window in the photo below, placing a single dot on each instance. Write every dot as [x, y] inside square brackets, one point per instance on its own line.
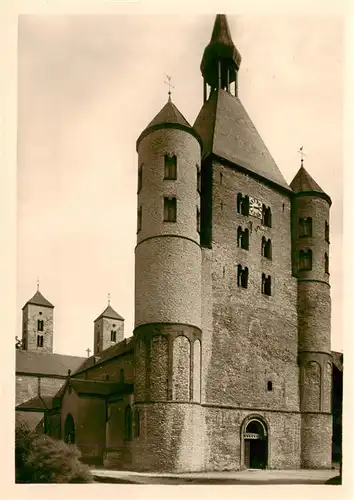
[171, 167]
[40, 325]
[140, 218]
[39, 340]
[199, 179]
[305, 260]
[140, 178]
[305, 227]
[198, 220]
[113, 336]
[327, 231]
[170, 209]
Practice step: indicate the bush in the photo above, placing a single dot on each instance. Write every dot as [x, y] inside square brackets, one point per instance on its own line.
[41, 459]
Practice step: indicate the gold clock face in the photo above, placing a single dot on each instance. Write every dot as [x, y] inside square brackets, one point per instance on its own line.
[255, 208]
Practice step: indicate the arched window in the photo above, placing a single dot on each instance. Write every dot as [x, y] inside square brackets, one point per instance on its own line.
[40, 325]
[305, 227]
[69, 430]
[266, 248]
[243, 238]
[128, 424]
[266, 216]
[305, 260]
[170, 209]
[113, 336]
[243, 204]
[242, 276]
[266, 285]
[39, 340]
[326, 263]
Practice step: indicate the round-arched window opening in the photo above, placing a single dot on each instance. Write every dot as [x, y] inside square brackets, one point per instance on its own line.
[69, 430]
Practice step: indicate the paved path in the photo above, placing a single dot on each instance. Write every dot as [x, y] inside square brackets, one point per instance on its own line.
[303, 476]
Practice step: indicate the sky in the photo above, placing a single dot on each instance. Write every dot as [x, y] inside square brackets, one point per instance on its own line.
[88, 86]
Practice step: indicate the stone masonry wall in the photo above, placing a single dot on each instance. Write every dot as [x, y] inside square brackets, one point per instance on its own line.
[181, 369]
[31, 314]
[316, 440]
[253, 336]
[28, 387]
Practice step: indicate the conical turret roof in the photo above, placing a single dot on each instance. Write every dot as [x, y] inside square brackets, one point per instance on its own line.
[110, 313]
[39, 300]
[304, 183]
[168, 117]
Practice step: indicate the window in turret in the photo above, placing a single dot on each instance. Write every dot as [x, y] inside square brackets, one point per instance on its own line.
[270, 385]
[326, 263]
[242, 276]
[40, 325]
[266, 285]
[266, 216]
[140, 218]
[243, 204]
[327, 231]
[170, 167]
[39, 340]
[199, 179]
[305, 227]
[140, 177]
[198, 220]
[242, 238]
[170, 209]
[305, 260]
[266, 248]
[113, 336]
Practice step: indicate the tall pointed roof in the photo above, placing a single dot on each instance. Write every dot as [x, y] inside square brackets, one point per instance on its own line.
[304, 183]
[168, 117]
[39, 300]
[228, 132]
[109, 312]
[220, 48]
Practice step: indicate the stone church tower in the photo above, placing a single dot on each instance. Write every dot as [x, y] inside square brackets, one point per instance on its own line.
[37, 324]
[108, 329]
[310, 223]
[232, 304]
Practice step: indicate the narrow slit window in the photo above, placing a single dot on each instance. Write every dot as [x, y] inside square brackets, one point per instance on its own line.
[140, 178]
[140, 218]
[198, 220]
[327, 231]
[170, 209]
[113, 336]
[326, 263]
[39, 340]
[40, 325]
[269, 385]
[170, 167]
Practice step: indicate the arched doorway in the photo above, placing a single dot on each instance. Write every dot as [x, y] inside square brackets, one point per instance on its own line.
[255, 444]
[69, 430]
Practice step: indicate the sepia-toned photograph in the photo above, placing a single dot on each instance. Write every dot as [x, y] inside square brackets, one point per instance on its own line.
[179, 249]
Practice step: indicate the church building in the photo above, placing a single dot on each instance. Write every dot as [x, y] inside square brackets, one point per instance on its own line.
[230, 363]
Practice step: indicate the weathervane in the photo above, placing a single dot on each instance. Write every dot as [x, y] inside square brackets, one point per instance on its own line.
[169, 78]
[302, 154]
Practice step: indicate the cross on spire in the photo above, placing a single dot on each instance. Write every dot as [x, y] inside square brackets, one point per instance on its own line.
[88, 350]
[37, 283]
[109, 299]
[169, 78]
[302, 154]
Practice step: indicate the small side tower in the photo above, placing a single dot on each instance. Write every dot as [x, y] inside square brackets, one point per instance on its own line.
[168, 296]
[108, 329]
[37, 324]
[310, 234]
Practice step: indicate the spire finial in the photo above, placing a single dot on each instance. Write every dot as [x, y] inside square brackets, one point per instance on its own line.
[302, 154]
[37, 283]
[169, 78]
[109, 299]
